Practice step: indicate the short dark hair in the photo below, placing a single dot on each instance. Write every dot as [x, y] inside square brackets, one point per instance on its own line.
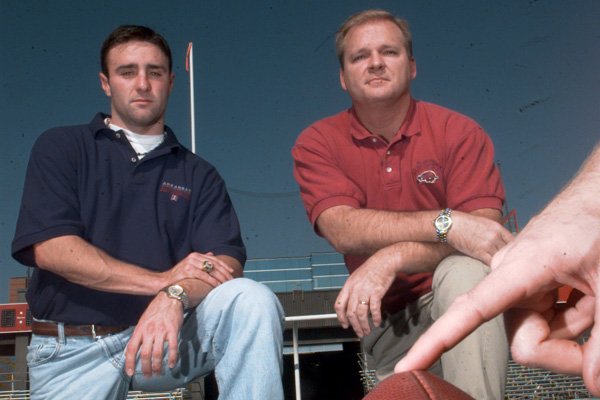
[128, 33]
[368, 16]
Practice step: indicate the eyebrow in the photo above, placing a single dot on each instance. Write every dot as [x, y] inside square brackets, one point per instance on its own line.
[380, 48]
[358, 51]
[126, 66]
[135, 66]
[156, 66]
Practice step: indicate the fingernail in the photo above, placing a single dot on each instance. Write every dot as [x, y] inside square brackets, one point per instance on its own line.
[130, 372]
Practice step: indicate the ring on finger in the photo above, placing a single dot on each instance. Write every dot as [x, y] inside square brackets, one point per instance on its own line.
[363, 302]
[207, 266]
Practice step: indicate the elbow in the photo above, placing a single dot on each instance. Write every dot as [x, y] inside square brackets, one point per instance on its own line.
[337, 246]
[340, 244]
[332, 224]
[45, 254]
[39, 254]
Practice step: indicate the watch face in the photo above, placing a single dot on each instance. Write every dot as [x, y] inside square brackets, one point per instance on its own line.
[175, 290]
[443, 223]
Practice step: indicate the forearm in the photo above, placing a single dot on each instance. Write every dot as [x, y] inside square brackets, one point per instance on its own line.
[82, 263]
[365, 231]
[412, 257]
[581, 193]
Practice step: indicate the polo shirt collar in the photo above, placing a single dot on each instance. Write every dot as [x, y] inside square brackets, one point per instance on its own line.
[411, 125]
[97, 124]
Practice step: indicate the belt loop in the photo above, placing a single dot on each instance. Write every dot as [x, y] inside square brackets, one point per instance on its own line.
[94, 332]
[60, 327]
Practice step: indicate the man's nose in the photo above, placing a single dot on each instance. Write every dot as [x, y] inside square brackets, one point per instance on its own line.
[376, 62]
[143, 84]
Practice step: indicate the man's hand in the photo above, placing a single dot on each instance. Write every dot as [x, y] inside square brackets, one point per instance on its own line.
[362, 294]
[559, 247]
[160, 324]
[193, 266]
[477, 234]
[162, 320]
[543, 338]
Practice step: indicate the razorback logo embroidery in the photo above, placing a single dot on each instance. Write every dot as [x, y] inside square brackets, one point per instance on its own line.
[428, 176]
[175, 191]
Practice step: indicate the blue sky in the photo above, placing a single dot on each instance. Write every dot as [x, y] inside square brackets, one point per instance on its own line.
[527, 71]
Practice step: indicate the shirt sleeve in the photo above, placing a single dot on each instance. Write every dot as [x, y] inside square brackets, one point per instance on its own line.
[473, 179]
[216, 227]
[323, 184]
[50, 205]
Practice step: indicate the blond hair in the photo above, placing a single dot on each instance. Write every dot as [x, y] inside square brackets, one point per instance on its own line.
[368, 16]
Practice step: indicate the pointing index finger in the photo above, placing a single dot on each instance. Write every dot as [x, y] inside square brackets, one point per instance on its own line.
[496, 293]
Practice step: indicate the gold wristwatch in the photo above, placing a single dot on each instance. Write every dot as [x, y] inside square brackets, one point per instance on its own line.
[177, 292]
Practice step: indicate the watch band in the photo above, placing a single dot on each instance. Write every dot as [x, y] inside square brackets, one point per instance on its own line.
[442, 225]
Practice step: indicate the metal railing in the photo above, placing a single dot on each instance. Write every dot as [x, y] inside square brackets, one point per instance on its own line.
[13, 386]
[15, 394]
[294, 320]
[133, 395]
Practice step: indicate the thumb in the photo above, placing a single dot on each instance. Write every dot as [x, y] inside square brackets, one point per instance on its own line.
[591, 355]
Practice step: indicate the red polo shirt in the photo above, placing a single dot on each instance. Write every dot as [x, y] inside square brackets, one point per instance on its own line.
[438, 159]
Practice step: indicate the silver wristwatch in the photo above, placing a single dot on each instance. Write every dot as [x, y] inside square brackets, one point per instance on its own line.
[177, 292]
[442, 225]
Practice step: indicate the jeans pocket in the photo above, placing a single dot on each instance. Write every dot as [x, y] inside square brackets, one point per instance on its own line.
[38, 354]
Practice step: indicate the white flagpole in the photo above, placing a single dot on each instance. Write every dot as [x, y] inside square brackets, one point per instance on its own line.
[189, 66]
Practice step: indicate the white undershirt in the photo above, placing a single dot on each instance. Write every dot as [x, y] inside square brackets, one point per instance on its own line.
[142, 144]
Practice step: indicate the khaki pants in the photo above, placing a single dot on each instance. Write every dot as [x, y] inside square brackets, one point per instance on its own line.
[477, 365]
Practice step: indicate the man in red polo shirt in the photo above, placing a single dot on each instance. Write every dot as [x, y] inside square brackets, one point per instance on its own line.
[409, 193]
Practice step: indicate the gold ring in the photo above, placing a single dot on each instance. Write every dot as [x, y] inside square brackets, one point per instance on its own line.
[207, 266]
[364, 303]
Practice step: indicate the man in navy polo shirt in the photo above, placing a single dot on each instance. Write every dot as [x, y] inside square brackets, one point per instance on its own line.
[137, 252]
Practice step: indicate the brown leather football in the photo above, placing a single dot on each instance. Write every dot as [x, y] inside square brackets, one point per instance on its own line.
[416, 385]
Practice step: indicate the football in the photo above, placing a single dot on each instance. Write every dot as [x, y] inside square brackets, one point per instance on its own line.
[416, 385]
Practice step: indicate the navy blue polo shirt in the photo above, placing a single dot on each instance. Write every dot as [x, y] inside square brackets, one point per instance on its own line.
[87, 181]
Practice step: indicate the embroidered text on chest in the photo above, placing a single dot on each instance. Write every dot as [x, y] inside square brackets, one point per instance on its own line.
[175, 191]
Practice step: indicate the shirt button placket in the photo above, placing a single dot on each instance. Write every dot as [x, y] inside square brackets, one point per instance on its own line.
[388, 168]
[389, 175]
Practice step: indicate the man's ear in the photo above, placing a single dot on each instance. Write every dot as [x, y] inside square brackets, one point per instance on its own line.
[342, 80]
[172, 79]
[104, 83]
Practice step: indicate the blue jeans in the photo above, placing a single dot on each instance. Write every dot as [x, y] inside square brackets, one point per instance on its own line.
[237, 331]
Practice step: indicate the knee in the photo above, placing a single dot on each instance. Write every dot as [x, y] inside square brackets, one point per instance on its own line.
[253, 298]
[460, 271]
